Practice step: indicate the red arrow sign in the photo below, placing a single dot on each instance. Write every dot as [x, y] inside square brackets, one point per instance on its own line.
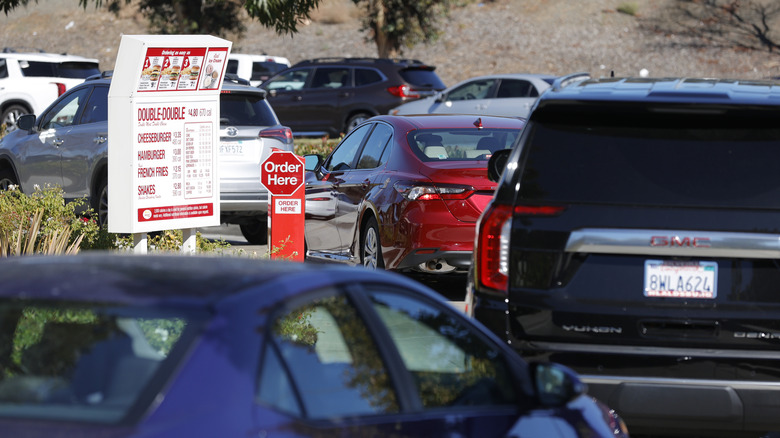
[282, 173]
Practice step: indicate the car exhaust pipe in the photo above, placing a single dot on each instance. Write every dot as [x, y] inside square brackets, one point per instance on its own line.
[434, 265]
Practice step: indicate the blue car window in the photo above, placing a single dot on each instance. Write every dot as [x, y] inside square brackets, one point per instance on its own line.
[333, 363]
[450, 363]
[77, 362]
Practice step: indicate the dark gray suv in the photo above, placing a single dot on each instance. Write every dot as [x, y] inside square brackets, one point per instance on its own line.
[331, 96]
[635, 237]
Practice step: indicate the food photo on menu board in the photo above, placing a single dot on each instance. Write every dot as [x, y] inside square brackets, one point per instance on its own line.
[210, 77]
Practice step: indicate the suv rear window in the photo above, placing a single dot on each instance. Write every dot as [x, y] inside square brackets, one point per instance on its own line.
[726, 163]
[422, 77]
[76, 70]
[245, 109]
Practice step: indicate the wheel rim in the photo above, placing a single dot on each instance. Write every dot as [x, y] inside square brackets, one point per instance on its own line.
[6, 183]
[353, 122]
[370, 249]
[103, 207]
[10, 120]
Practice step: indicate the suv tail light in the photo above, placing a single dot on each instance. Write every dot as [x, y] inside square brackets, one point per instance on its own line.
[403, 91]
[428, 192]
[492, 247]
[283, 134]
[61, 89]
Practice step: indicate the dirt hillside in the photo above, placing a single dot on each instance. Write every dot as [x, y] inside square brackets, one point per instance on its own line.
[539, 36]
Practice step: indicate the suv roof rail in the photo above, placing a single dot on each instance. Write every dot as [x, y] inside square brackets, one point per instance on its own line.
[22, 50]
[565, 81]
[366, 59]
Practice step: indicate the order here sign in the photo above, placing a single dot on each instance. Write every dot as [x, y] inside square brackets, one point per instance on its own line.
[282, 175]
[163, 122]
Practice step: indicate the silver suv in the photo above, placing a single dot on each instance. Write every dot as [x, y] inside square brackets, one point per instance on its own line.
[67, 146]
[30, 81]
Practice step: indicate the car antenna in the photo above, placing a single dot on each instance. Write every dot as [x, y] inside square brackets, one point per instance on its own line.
[478, 123]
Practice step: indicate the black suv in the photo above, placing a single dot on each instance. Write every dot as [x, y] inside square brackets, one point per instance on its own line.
[330, 96]
[635, 237]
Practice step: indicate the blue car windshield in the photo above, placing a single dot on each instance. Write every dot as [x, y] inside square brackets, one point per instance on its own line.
[88, 363]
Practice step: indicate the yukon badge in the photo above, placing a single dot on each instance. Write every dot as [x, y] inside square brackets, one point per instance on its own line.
[677, 241]
[592, 329]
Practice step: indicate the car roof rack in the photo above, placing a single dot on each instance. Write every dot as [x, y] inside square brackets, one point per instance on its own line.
[565, 81]
[358, 60]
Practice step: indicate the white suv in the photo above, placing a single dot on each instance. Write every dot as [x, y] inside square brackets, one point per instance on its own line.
[30, 81]
[255, 68]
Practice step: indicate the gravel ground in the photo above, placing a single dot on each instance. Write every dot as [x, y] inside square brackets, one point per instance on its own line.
[538, 36]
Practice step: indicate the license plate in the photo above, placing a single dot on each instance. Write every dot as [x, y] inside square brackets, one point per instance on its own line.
[231, 148]
[676, 279]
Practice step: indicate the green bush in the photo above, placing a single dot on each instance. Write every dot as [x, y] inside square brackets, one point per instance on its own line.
[42, 223]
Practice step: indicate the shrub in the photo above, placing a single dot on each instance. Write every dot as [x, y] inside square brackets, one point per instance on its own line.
[42, 223]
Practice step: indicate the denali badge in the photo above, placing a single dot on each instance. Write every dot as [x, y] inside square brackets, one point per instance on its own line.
[690, 242]
[592, 329]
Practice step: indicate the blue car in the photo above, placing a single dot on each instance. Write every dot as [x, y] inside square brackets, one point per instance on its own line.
[109, 345]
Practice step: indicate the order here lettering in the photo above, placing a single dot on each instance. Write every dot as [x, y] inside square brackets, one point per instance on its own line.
[273, 171]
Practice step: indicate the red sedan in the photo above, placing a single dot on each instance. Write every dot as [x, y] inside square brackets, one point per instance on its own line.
[404, 192]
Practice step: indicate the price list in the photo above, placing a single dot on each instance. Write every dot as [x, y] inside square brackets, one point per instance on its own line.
[198, 155]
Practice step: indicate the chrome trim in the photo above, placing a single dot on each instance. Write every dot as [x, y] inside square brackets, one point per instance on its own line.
[660, 381]
[656, 351]
[637, 242]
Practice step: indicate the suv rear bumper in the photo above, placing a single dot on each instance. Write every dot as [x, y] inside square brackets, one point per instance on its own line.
[244, 202]
[674, 391]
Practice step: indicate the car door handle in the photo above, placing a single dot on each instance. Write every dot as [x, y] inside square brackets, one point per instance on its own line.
[344, 94]
[57, 142]
[99, 139]
[297, 98]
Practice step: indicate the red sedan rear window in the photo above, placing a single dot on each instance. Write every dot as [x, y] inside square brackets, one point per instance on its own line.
[460, 144]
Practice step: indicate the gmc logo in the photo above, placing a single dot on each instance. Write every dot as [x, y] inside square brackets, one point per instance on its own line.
[690, 242]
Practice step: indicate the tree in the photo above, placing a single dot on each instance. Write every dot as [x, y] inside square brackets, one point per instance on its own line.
[747, 24]
[216, 17]
[394, 24]
[391, 24]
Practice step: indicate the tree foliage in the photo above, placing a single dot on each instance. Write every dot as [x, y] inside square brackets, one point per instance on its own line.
[746, 24]
[395, 24]
[391, 24]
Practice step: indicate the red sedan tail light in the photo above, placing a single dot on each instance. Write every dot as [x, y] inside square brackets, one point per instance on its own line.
[283, 134]
[415, 191]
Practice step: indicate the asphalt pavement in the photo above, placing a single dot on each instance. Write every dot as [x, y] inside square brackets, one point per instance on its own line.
[452, 287]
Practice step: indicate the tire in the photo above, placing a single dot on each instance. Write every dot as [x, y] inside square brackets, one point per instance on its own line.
[11, 114]
[355, 120]
[370, 247]
[100, 203]
[7, 179]
[255, 233]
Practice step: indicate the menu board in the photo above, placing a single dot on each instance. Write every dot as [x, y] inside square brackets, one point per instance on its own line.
[163, 121]
[175, 159]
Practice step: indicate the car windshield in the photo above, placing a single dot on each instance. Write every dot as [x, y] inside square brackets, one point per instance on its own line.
[245, 109]
[460, 144]
[86, 362]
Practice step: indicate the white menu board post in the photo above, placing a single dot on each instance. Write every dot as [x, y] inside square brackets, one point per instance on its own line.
[163, 126]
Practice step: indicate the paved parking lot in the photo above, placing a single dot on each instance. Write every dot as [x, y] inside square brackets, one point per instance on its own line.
[451, 287]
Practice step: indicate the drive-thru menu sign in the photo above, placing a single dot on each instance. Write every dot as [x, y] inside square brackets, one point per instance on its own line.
[163, 124]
